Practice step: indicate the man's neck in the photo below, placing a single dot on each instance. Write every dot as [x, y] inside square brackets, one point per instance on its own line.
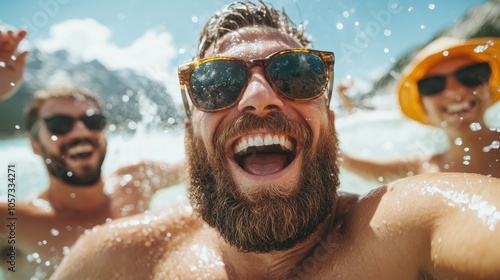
[72, 199]
[277, 264]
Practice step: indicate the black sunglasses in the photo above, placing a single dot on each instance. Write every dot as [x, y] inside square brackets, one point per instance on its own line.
[217, 83]
[469, 76]
[62, 124]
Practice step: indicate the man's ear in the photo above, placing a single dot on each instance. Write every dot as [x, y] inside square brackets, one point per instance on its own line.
[187, 122]
[35, 145]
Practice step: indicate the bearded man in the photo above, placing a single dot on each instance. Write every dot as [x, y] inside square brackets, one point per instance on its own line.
[263, 178]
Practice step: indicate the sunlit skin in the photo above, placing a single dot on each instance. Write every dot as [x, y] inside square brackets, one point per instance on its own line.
[396, 232]
[456, 125]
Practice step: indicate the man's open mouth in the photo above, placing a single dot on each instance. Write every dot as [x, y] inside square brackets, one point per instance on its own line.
[264, 154]
[79, 149]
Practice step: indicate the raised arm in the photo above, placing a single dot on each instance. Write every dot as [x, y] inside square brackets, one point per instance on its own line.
[455, 219]
[465, 240]
[139, 182]
[11, 65]
[382, 171]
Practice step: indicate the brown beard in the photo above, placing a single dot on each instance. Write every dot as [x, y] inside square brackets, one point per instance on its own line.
[58, 168]
[272, 221]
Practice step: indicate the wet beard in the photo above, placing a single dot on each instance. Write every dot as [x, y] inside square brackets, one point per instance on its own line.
[58, 168]
[272, 221]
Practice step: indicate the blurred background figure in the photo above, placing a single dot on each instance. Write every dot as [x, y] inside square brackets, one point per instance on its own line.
[450, 84]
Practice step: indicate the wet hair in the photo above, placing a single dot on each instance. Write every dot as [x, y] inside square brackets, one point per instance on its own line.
[242, 14]
[32, 110]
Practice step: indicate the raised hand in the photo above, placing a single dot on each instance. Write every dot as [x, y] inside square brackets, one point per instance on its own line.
[11, 64]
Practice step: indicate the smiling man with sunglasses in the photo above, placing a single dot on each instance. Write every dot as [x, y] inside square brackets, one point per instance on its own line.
[66, 125]
[450, 85]
[263, 178]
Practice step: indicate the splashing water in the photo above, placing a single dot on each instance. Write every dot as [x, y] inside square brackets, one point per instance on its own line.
[475, 126]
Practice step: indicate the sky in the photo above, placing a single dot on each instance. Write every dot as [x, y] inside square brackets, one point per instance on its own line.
[154, 36]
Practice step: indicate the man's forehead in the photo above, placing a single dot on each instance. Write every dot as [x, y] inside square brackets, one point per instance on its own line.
[69, 106]
[252, 42]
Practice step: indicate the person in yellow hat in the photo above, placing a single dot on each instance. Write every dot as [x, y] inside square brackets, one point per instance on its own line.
[449, 84]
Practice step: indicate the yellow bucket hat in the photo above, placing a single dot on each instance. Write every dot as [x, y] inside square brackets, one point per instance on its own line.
[481, 49]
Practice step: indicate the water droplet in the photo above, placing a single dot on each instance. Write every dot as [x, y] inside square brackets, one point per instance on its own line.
[446, 166]
[445, 53]
[65, 250]
[380, 179]
[432, 6]
[32, 257]
[356, 23]
[69, 174]
[13, 57]
[422, 26]
[72, 195]
[171, 120]
[466, 149]
[410, 9]
[340, 26]
[125, 98]
[54, 138]
[2, 64]
[54, 232]
[467, 157]
[132, 125]
[387, 32]
[458, 141]
[12, 84]
[495, 145]
[466, 163]
[194, 19]
[475, 126]
[17, 126]
[47, 263]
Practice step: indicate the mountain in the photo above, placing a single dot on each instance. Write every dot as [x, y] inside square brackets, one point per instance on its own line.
[129, 98]
[480, 21]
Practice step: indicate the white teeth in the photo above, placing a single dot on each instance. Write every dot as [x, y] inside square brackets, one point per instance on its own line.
[82, 148]
[268, 140]
[263, 140]
[455, 108]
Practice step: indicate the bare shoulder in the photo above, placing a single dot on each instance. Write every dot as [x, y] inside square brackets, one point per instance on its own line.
[424, 198]
[129, 245]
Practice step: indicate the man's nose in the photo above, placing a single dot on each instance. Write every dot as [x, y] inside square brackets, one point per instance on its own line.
[259, 97]
[455, 89]
[80, 128]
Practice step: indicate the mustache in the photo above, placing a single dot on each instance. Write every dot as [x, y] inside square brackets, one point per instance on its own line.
[274, 122]
[75, 142]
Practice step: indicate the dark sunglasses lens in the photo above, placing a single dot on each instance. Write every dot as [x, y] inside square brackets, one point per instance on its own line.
[59, 124]
[431, 85]
[298, 75]
[217, 84]
[474, 75]
[94, 122]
